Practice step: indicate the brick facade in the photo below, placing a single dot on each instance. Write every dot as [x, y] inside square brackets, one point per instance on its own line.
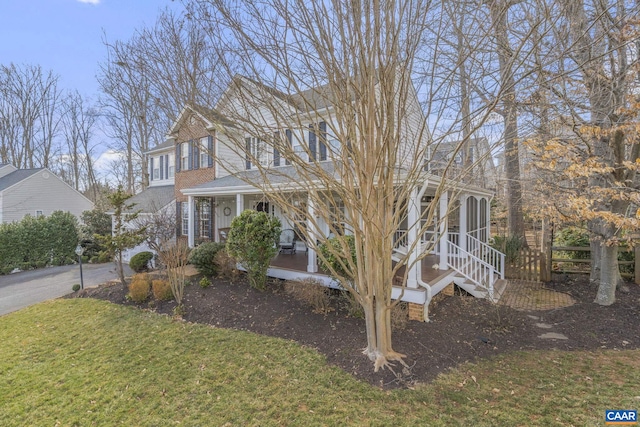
[416, 312]
[191, 128]
[185, 179]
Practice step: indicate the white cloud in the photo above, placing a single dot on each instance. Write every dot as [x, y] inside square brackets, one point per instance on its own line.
[89, 1]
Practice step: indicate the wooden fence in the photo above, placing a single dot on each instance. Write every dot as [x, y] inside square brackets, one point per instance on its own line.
[583, 265]
[528, 264]
[532, 264]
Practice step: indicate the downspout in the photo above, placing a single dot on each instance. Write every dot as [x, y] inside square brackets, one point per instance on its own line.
[419, 265]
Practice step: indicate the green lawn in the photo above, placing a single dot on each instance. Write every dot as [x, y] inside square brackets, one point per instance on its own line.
[85, 362]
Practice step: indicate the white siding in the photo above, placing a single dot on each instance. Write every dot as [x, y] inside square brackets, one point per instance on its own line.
[231, 158]
[7, 169]
[156, 165]
[44, 192]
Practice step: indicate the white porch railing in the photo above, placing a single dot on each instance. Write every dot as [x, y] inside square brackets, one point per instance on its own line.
[471, 267]
[400, 239]
[486, 253]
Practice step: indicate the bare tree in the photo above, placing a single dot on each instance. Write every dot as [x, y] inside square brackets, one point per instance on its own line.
[29, 115]
[183, 64]
[79, 120]
[146, 81]
[593, 149]
[129, 109]
[159, 226]
[343, 74]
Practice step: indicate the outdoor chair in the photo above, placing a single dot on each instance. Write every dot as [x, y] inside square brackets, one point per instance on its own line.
[223, 232]
[287, 241]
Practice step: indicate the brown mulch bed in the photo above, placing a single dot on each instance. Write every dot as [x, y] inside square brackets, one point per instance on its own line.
[461, 328]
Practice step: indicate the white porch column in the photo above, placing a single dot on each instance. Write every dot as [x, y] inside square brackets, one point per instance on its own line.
[488, 218]
[216, 235]
[463, 222]
[239, 203]
[413, 223]
[312, 257]
[191, 241]
[444, 227]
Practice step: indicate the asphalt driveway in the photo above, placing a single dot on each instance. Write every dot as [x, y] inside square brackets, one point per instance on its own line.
[23, 289]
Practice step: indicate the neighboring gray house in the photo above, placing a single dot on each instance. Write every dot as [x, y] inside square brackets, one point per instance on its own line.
[36, 192]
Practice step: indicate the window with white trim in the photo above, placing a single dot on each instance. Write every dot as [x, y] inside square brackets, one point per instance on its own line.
[204, 215]
[184, 156]
[156, 168]
[39, 214]
[204, 152]
[171, 169]
[185, 218]
[259, 152]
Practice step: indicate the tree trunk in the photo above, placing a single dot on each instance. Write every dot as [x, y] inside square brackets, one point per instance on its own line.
[515, 218]
[596, 260]
[609, 275]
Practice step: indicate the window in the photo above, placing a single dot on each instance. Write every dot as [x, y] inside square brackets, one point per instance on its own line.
[156, 171]
[184, 156]
[172, 171]
[185, 218]
[204, 217]
[204, 152]
[39, 214]
[257, 152]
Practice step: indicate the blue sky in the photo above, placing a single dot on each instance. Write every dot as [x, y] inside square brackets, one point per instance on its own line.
[65, 36]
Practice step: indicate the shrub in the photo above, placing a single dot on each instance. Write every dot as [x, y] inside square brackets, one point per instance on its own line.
[204, 283]
[203, 257]
[140, 261]
[139, 288]
[105, 256]
[175, 257]
[226, 265]
[252, 240]
[352, 306]
[75, 287]
[330, 252]
[161, 290]
[573, 236]
[509, 245]
[400, 316]
[34, 241]
[311, 292]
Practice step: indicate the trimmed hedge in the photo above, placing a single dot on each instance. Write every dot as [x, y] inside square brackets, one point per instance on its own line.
[37, 242]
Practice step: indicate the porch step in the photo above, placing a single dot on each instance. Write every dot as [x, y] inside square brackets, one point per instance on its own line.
[472, 288]
[499, 288]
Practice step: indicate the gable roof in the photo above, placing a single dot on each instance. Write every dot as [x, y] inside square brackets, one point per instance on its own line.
[153, 199]
[16, 176]
[312, 99]
[209, 116]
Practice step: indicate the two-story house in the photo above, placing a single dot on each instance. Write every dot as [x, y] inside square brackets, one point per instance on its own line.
[217, 177]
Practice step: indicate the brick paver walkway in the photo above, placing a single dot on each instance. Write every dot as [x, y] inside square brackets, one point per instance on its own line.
[524, 295]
